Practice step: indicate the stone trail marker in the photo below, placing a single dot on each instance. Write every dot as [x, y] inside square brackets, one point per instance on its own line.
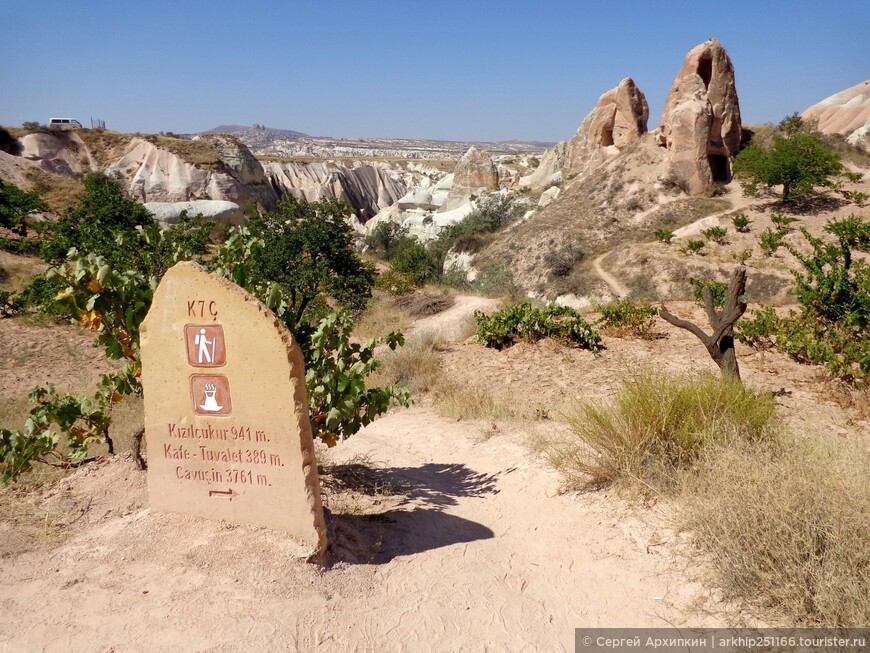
[226, 409]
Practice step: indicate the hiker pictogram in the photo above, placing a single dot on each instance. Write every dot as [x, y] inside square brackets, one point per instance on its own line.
[205, 345]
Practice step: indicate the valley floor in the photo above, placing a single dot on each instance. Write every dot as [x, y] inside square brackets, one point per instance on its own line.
[451, 536]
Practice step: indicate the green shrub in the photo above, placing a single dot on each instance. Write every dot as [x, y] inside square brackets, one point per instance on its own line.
[491, 214]
[388, 239]
[716, 234]
[718, 289]
[416, 262]
[664, 235]
[771, 241]
[741, 222]
[855, 196]
[395, 282]
[833, 288]
[16, 205]
[30, 246]
[835, 284]
[526, 322]
[39, 296]
[339, 401]
[657, 427]
[782, 221]
[759, 330]
[626, 318]
[692, 247]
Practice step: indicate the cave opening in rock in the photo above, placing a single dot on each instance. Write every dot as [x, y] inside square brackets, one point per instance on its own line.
[705, 70]
[719, 168]
[607, 136]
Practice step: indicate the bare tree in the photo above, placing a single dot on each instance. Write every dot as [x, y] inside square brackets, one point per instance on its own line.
[720, 344]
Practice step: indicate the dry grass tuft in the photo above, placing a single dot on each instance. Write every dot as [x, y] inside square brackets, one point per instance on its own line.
[104, 144]
[59, 191]
[415, 365]
[17, 271]
[788, 527]
[362, 475]
[380, 318]
[657, 427]
[465, 402]
[200, 152]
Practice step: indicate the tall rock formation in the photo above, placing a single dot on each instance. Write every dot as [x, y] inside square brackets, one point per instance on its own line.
[150, 173]
[549, 170]
[236, 156]
[701, 121]
[846, 113]
[619, 118]
[474, 174]
[367, 189]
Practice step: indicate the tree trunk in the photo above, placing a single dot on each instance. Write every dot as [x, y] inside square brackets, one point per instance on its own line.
[137, 449]
[719, 344]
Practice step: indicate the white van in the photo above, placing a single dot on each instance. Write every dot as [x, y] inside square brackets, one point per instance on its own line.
[64, 123]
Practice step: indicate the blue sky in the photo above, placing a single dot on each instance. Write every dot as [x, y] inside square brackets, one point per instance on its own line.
[465, 70]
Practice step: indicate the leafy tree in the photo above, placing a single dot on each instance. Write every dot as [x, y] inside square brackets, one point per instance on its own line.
[94, 225]
[799, 163]
[388, 239]
[16, 205]
[303, 252]
[113, 301]
[418, 262]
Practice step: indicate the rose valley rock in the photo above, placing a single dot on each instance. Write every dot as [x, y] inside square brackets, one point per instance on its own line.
[701, 121]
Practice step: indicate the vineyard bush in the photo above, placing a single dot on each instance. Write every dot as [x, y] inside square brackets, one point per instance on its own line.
[526, 322]
[833, 288]
[627, 318]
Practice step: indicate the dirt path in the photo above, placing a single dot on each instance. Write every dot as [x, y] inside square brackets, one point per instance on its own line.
[472, 548]
[615, 286]
[482, 553]
[454, 323]
[738, 201]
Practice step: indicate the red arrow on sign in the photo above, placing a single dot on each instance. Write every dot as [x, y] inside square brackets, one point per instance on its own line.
[228, 494]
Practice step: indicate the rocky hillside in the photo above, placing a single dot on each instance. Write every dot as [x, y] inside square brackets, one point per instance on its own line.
[603, 195]
[214, 174]
[846, 113]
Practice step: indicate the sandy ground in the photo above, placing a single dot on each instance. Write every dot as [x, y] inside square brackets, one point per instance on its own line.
[478, 551]
[456, 537]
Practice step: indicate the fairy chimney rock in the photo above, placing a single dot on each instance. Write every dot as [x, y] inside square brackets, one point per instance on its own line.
[701, 121]
[619, 118]
[476, 171]
[475, 174]
[226, 409]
